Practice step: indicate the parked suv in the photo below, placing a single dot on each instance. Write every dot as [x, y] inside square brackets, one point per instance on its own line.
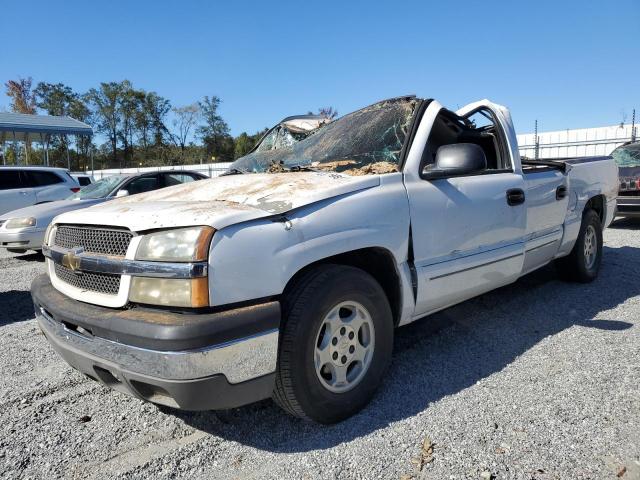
[24, 186]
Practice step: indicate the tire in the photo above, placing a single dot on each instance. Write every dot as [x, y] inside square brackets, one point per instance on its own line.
[580, 266]
[326, 304]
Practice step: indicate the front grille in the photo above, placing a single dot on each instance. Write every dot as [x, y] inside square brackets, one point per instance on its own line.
[96, 282]
[93, 239]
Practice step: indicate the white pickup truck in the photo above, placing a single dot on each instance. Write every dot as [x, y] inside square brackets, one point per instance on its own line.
[287, 276]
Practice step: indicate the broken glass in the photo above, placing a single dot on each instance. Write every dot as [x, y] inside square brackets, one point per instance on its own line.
[367, 141]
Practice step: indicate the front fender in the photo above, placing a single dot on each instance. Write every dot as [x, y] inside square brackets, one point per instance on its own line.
[257, 259]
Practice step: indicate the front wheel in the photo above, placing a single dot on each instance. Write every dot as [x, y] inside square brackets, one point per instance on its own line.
[336, 344]
[583, 263]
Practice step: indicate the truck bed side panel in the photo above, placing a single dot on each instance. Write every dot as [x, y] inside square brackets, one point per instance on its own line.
[588, 178]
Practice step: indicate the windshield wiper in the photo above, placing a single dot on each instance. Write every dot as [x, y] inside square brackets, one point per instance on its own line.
[279, 167]
[303, 168]
[232, 171]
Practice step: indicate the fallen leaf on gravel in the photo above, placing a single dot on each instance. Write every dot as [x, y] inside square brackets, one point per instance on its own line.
[621, 472]
[426, 454]
[406, 477]
[85, 418]
[487, 475]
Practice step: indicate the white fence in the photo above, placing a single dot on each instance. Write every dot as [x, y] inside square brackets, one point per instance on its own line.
[209, 169]
[583, 142]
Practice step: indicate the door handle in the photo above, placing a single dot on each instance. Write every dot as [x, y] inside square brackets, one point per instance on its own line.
[561, 192]
[515, 196]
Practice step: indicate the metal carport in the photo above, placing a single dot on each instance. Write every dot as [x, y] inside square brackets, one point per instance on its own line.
[20, 127]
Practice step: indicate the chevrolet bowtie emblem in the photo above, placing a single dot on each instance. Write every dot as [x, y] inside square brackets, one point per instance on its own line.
[71, 260]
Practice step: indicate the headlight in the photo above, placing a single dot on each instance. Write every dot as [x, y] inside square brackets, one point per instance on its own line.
[47, 234]
[179, 245]
[21, 222]
[174, 292]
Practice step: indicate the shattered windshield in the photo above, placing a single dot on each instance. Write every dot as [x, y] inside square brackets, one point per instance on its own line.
[367, 141]
[627, 155]
[99, 189]
[280, 137]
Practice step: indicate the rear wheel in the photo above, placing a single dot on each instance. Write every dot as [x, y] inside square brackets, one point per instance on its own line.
[583, 263]
[336, 344]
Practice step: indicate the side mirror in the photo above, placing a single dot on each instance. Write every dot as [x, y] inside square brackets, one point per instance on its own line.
[122, 193]
[457, 159]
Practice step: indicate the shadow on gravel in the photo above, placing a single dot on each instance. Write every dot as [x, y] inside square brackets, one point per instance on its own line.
[31, 257]
[15, 306]
[626, 224]
[445, 353]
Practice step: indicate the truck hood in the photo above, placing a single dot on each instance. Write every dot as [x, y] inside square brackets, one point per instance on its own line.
[221, 201]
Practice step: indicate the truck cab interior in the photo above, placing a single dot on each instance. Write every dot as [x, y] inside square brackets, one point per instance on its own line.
[479, 128]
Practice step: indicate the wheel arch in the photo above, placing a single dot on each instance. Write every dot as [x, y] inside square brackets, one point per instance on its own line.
[598, 203]
[378, 262]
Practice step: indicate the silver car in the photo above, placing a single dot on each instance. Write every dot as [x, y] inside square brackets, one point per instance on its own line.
[24, 229]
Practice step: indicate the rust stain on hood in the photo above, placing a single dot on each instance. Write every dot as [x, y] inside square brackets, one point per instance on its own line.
[221, 201]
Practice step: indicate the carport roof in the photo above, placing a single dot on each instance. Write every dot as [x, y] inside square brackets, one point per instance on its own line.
[31, 127]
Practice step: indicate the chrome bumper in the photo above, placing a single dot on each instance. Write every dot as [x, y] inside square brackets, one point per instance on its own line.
[26, 238]
[239, 360]
[78, 260]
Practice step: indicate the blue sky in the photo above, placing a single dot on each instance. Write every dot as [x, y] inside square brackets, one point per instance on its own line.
[569, 64]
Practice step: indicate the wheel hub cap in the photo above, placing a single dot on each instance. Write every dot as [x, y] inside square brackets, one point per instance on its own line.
[344, 346]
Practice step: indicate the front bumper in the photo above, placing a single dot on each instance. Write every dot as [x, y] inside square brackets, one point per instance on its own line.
[28, 238]
[189, 361]
[628, 206]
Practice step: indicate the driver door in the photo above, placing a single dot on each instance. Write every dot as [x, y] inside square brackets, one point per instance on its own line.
[467, 233]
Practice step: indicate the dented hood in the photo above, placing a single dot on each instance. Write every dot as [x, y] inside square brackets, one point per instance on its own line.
[220, 201]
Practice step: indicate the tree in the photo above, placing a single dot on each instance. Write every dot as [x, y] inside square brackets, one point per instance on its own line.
[129, 105]
[187, 118]
[80, 111]
[106, 108]
[151, 119]
[215, 131]
[22, 99]
[244, 143]
[59, 99]
[159, 107]
[55, 99]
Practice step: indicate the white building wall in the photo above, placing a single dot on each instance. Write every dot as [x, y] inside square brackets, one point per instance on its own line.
[583, 142]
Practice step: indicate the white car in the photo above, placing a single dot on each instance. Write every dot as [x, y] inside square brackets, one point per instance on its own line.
[23, 229]
[24, 186]
[287, 276]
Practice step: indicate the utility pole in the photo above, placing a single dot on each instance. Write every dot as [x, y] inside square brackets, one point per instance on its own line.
[633, 126]
[537, 140]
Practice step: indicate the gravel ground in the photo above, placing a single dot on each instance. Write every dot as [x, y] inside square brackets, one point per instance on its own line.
[538, 380]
